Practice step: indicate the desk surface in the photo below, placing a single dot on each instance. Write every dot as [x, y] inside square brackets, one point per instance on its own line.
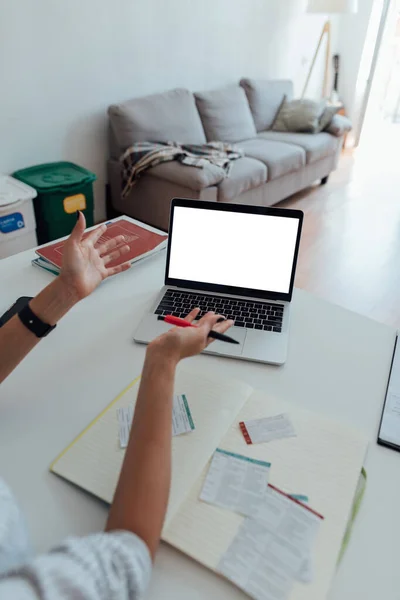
[338, 365]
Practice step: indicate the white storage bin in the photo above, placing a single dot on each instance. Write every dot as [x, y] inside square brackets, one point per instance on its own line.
[17, 217]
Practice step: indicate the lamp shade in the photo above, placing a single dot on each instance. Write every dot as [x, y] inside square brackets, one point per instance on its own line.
[332, 6]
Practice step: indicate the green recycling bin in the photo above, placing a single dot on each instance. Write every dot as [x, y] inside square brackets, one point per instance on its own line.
[63, 188]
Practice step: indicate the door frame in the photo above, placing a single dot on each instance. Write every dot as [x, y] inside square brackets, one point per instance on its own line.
[371, 76]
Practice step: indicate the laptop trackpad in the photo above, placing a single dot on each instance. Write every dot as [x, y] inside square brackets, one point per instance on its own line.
[237, 333]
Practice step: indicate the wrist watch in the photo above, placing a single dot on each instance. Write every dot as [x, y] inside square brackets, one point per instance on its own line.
[33, 323]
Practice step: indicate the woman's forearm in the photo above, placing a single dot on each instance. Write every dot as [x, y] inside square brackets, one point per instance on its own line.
[16, 341]
[141, 498]
[84, 267]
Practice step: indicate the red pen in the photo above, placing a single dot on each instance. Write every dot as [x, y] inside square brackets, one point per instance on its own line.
[177, 322]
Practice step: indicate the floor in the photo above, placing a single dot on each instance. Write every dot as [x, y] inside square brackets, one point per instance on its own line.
[350, 251]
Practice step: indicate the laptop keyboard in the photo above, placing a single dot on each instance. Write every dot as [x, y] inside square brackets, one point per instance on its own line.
[248, 314]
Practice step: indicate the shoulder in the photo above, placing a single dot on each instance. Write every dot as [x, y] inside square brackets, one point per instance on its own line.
[14, 543]
[101, 566]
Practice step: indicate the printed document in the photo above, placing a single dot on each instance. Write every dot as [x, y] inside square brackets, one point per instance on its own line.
[236, 482]
[262, 564]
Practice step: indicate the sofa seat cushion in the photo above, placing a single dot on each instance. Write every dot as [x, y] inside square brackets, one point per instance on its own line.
[265, 98]
[192, 178]
[280, 158]
[317, 146]
[226, 115]
[171, 116]
[246, 174]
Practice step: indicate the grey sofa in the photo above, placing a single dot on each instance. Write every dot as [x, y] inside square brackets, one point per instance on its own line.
[275, 166]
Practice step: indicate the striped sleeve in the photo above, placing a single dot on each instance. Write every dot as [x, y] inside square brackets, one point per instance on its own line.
[98, 567]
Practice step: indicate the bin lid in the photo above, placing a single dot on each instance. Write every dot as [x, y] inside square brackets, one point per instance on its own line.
[12, 190]
[53, 177]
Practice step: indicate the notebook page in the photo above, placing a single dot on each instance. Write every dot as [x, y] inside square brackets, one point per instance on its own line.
[324, 462]
[94, 460]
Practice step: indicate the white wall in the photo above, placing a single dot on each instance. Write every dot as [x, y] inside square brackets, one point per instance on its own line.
[62, 62]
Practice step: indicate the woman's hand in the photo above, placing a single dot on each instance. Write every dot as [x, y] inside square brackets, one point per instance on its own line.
[180, 343]
[84, 264]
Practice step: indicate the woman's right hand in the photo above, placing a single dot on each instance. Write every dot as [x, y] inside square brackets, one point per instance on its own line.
[180, 343]
[86, 259]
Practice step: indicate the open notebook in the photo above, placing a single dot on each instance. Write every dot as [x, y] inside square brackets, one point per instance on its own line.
[323, 462]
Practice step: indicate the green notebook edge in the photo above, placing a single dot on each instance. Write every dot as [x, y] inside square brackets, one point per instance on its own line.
[359, 496]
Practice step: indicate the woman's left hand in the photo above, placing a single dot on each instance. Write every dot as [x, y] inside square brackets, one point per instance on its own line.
[84, 264]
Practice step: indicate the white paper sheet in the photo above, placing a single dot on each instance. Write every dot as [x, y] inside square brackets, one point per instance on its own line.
[282, 515]
[125, 416]
[306, 573]
[235, 482]
[261, 563]
[258, 431]
[182, 421]
[268, 555]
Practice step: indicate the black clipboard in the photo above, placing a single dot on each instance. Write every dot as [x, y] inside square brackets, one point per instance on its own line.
[381, 441]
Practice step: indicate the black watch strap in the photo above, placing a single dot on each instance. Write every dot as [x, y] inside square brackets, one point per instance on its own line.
[33, 323]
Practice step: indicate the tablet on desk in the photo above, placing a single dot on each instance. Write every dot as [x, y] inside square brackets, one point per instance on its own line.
[389, 429]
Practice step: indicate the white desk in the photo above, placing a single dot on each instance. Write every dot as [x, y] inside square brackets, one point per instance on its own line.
[338, 365]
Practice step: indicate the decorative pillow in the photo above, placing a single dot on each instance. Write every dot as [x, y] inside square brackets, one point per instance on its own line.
[299, 116]
[226, 115]
[327, 116]
[339, 126]
[171, 116]
[265, 98]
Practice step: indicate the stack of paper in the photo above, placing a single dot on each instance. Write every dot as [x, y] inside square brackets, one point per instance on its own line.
[272, 548]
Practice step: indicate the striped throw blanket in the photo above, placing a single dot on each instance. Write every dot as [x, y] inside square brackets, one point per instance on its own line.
[143, 156]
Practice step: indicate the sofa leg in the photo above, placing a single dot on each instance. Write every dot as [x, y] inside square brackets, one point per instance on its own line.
[324, 180]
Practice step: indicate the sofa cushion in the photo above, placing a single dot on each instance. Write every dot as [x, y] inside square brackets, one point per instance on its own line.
[317, 146]
[265, 99]
[171, 116]
[226, 115]
[193, 178]
[280, 158]
[246, 174]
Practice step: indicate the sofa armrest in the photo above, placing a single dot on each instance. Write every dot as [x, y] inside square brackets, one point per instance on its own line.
[194, 178]
[339, 126]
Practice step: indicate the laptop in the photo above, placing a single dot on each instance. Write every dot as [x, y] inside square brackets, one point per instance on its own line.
[238, 261]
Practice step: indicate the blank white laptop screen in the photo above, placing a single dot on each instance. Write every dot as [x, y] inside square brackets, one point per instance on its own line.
[232, 248]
